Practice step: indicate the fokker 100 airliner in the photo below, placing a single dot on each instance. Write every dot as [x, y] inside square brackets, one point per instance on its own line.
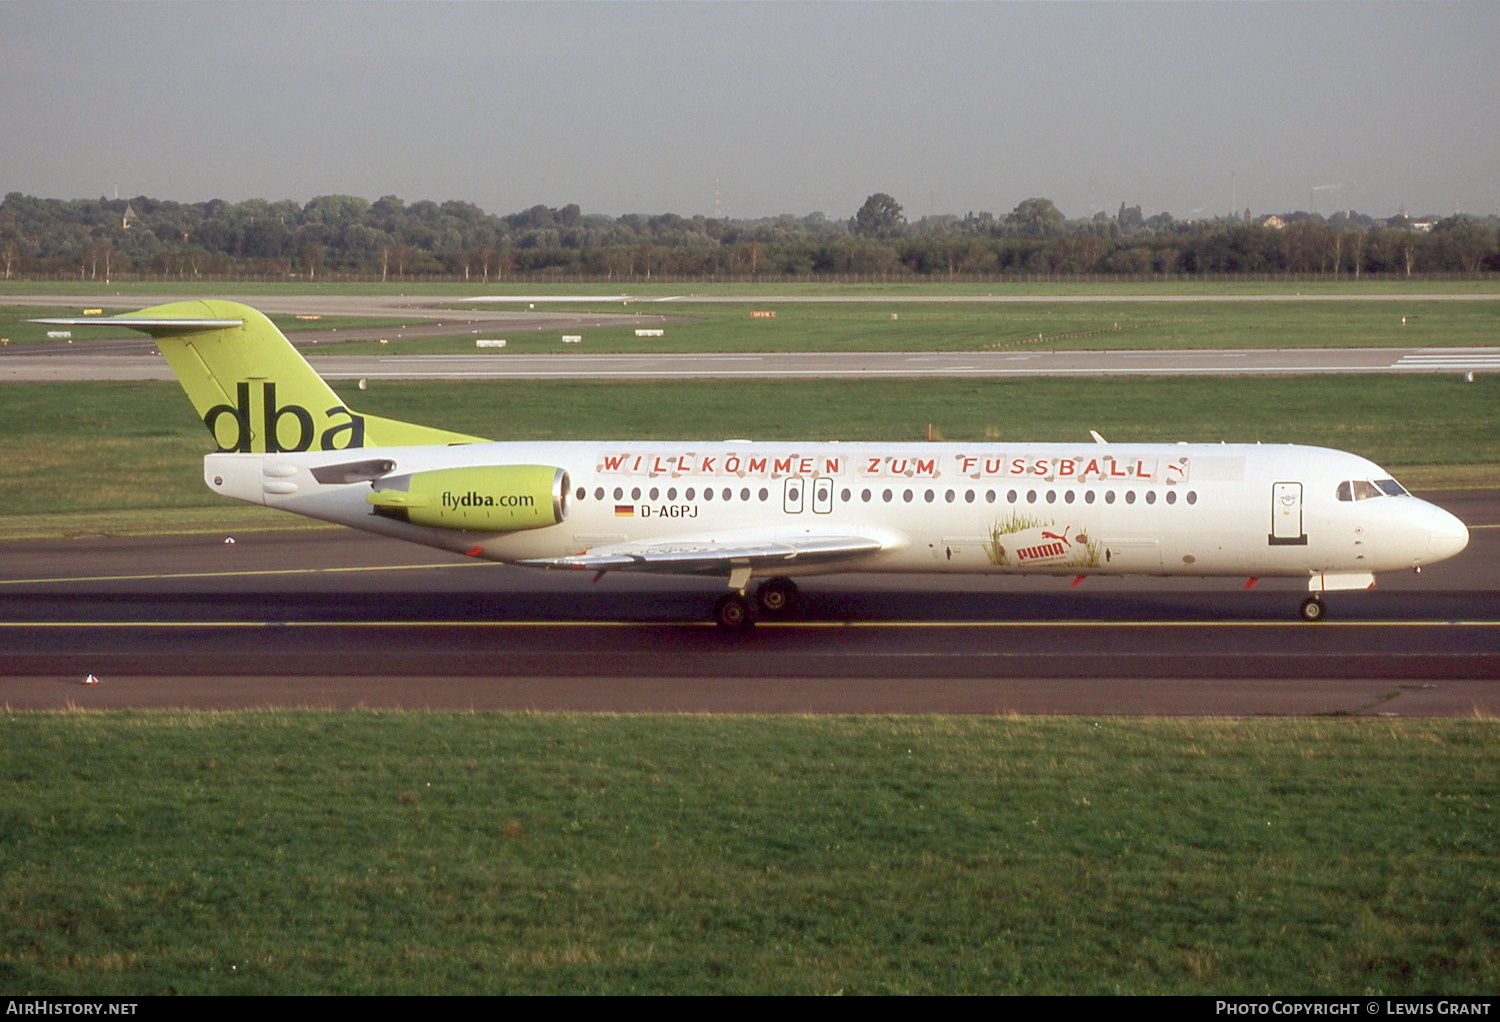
[776, 511]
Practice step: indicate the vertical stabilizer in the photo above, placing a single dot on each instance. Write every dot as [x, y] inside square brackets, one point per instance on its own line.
[253, 390]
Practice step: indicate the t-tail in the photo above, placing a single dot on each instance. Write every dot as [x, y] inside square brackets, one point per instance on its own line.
[254, 390]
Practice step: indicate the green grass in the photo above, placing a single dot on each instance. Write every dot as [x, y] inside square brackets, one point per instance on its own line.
[918, 326]
[222, 517]
[76, 448]
[365, 852]
[961, 326]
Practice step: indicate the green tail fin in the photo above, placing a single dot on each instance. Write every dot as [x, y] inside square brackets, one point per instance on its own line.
[254, 391]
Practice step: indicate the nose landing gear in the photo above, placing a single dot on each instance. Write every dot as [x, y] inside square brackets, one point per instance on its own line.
[1312, 609]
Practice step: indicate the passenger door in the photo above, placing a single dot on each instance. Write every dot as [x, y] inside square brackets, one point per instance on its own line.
[1286, 515]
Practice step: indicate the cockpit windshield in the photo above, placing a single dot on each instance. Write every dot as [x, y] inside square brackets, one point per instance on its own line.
[1364, 489]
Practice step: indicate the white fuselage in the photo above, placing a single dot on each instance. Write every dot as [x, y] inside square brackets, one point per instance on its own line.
[1065, 509]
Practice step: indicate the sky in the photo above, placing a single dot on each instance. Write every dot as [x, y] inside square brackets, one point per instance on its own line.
[758, 109]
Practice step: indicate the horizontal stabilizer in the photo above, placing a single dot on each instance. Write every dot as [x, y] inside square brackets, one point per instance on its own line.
[147, 325]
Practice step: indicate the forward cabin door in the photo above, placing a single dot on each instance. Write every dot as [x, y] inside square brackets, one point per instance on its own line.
[1286, 515]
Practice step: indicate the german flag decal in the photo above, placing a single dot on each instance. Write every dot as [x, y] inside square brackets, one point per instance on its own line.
[624, 510]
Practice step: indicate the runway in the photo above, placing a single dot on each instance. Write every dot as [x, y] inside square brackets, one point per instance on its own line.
[88, 364]
[338, 618]
[123, 359]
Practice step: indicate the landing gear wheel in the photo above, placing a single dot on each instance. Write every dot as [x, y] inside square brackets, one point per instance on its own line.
[776, 595]
[1312, 609]
[734, 613]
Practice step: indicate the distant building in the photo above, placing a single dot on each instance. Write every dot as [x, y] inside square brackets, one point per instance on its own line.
[1273, 221]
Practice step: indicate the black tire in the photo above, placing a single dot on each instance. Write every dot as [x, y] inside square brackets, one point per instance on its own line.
[777, 595]
[1312, 609]
[734, 613]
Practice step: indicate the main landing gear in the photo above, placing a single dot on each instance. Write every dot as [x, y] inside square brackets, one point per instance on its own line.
[777, 595]
[1312, 609]
[735, 612]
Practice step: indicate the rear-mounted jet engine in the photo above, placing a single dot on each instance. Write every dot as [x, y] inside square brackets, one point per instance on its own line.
[483, 498]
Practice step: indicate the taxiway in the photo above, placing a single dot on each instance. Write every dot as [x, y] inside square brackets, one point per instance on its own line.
[338, 618]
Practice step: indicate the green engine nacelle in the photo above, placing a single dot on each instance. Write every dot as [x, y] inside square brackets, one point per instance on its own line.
[482, 498]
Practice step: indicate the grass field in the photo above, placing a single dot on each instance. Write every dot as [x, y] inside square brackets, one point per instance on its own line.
[959, 326]
[78, 448]
[365, 852]
[978, 327]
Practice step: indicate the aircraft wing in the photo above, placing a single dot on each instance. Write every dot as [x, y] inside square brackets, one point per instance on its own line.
[713, 556]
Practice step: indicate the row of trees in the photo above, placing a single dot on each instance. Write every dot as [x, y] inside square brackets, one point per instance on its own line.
[342, 235]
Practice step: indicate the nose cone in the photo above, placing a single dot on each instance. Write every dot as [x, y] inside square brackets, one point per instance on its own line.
[1446, 535]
